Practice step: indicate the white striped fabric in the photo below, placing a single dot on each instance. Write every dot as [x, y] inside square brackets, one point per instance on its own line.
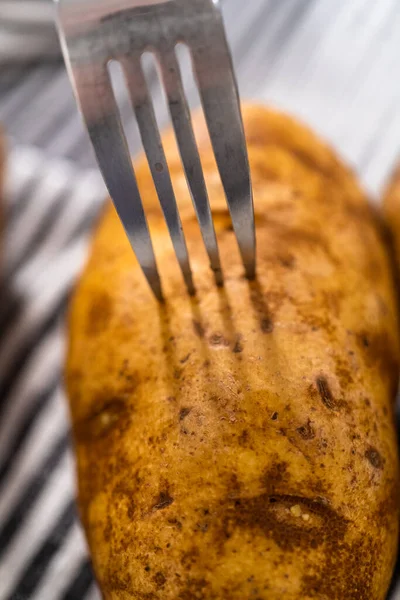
[31, 21]
[50, 209]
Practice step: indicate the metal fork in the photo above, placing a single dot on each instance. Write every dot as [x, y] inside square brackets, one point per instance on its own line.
[94, 32]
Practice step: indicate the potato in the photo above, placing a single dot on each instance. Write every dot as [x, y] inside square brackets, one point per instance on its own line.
[241, 444]
[391, 208]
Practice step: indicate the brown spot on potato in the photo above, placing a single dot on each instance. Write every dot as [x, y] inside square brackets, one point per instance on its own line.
[176, 523]
[198, 589]
[306, 431]
[184, 413]
[244, 438]
[190, 557]
[318, 321]
[177, 373]
[159, 579]
[347, 571]
[325, 393]
[374, 457]
[202, 526]
[110, 415]
[272, 517]
[267, 325]
[234, 486]
[99, 314]
[287, 261]
[163, 501]
[275, 475]
[129, 383]
[108, 529]
[122, 581]
[344, 373]
[218, 340]
[238, 347]
[274, 416]
[222, 220]
[198, 329]
[259, 301]
[319, 487]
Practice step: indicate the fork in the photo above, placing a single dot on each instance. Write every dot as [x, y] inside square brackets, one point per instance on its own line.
[95, 32]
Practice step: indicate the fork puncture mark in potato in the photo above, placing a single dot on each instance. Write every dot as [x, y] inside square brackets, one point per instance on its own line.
[241, 444]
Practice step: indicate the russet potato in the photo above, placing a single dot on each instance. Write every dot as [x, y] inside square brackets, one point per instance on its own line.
[391, 210]
[240, 444]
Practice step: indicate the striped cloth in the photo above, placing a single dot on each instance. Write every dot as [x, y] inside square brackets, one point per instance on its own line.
[32, 21]
[331, 62]
[50, 209]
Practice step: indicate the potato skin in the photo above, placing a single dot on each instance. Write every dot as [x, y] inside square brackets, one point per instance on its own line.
[391, 210]
[241, 444]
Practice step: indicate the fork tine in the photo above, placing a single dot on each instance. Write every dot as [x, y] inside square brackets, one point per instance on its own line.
[100, 111]
[180, 117]
[151, 140]
[220, 101]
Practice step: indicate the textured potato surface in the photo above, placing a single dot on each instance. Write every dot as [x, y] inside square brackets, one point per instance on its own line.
[391, 208]
[240, 445]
